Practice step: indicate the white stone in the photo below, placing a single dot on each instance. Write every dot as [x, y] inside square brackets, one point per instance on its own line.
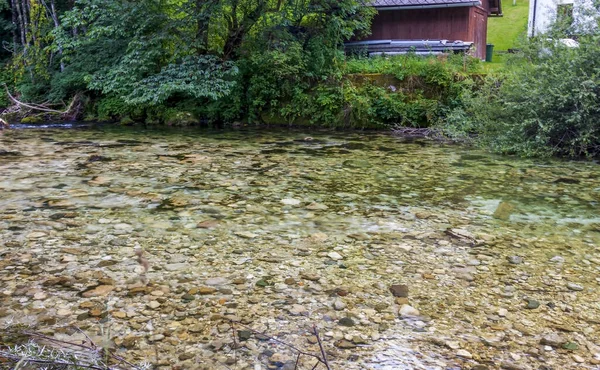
[407, 311]
[176, 266]
[36, 234]
[339, 305]
[464, 353]
[297, 310]
[335, 256]
[156, 338]
[246, 234]
[63, 312]
[216, 281]
[153, 305]
[452, 344]
[317, 207]
[290, 202]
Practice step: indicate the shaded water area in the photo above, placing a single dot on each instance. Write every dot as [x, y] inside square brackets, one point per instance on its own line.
[283, 230]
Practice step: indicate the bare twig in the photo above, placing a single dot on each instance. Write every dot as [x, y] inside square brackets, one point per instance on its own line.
[143, 261]
[87, 337]
[37, 106]
[87, 349]
[320, 360]
[234, 342]
[42, 108]
[20, 359]
[316, 333]
[297, 361]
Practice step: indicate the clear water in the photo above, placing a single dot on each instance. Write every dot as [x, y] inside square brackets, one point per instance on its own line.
[384, 203]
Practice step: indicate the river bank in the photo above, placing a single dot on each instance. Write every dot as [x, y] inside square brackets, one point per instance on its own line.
[389, 246]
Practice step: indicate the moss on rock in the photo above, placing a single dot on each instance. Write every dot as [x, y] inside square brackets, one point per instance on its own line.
[32, 120]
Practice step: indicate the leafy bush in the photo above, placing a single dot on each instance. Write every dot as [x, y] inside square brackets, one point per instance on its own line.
[428, 87]
[414, 65]
[5, 80]
[111, 107]
[548, 104]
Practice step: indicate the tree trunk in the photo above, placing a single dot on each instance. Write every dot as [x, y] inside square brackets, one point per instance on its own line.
[22, 27]
[238, 30]
[14, 20]
[25, 9]
[204, 9]
[52, 11]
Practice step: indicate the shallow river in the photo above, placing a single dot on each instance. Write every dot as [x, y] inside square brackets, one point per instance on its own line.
[404, 254]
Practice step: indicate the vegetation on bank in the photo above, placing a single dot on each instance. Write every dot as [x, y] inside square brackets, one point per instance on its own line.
[218, 62]
[282, 62]
[150, 60]
[546, 103]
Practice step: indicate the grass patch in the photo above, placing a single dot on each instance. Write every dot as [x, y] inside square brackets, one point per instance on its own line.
[402, 66]
[499, 61]
[504, 32]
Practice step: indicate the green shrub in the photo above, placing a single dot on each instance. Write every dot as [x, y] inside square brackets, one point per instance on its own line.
[110, 108]
[428, 87]
[4, 80]
[548, 104]
[414, 65]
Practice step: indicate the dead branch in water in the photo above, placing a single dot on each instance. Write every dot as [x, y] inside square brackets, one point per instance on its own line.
[51, 353]
[3, 124]
[321, 360]
[425, 132]
[316, 333]
[71, 111]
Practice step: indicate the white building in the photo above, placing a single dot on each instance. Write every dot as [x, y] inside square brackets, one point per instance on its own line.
[543, 13]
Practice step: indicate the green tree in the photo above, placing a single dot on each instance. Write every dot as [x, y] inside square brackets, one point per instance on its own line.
[242, 55]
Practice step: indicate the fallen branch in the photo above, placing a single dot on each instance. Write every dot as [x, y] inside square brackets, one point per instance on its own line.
[19, 359]
[415, 131]
[3, 124]
[316, 333]
[44, 350]
[42, 108]
[320, 359]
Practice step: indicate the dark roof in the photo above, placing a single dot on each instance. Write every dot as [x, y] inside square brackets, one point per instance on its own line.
[382, 4]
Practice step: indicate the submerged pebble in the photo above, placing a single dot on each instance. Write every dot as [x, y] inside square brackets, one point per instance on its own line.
[195, 246]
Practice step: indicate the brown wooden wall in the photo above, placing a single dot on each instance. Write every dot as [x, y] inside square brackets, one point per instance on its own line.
[460, 23]
[479, 19]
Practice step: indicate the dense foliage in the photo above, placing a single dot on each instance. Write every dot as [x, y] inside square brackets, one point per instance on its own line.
[282, 61]
[407, 90]
[217, 59]
[547, 104]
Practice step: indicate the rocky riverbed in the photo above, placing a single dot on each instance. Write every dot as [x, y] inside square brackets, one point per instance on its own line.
[178, 247]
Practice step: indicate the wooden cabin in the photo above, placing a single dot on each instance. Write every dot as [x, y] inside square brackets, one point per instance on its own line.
[429, 26]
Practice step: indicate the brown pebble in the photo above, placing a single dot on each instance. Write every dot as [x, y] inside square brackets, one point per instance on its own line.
[206, 290]
[119, 314]
[399, 290]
